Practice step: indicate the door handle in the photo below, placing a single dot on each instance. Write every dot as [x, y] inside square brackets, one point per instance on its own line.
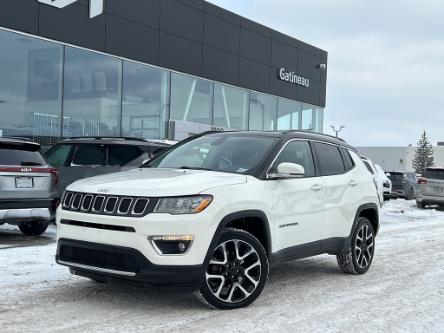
[352, 183]
[316, 187]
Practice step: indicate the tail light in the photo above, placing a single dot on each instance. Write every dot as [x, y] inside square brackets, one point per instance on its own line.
[55, 175]
[422, 180]
[54, 172]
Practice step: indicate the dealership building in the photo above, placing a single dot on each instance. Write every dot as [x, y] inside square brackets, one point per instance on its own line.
[153, 69]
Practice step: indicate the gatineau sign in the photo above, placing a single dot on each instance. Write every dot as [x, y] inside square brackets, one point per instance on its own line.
[95, 6]
[292, 77]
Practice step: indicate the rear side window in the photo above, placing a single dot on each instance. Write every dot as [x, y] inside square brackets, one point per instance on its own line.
[369, 168]
[89, 155]
[330, 160]
[21, 157]
[298, 152]
[120, 155]
[434, 174]
[58, 155]
[348, 161]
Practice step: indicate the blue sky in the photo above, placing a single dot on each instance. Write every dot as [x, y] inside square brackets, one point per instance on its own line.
[386, 62]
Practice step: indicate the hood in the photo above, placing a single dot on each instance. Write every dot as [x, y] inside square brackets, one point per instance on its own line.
[156, 182]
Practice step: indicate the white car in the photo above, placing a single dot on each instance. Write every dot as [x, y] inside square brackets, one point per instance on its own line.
[385, 182]
[211, 214]
[379, 178]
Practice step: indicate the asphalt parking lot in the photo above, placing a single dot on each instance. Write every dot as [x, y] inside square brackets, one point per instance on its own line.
[403, 291]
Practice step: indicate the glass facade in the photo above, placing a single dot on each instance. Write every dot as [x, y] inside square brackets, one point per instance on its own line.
[48, 91]
[91, 90]
[263, 110]
[30, 83]
[230, 107]
[145, 101]
[289, 113]
[191, 99]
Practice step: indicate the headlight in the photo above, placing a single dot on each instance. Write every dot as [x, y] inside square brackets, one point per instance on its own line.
[183, 205]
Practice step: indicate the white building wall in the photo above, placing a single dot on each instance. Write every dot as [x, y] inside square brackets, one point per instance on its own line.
[398, 158]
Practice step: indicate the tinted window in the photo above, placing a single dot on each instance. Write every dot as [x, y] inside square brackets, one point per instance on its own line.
[396, 176]
[348, 161]
[123, 154]
[434, 174]
[90, 155]
[58, 155]
[330, 160]
[298, 152]
[20, 157]
[238, 154]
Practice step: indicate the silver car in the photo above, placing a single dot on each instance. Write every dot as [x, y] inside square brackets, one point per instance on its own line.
[431, 186]
[28, 186]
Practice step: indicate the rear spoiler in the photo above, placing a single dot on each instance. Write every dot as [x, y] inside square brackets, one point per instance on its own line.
[19, 145]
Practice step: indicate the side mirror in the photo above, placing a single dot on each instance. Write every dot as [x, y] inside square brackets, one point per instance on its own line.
[288, 170]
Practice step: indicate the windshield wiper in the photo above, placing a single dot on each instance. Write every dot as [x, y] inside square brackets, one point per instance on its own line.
[194, 168]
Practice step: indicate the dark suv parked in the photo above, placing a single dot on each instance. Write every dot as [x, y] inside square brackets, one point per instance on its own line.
[78, 158]
[28, 186]
[404, 184]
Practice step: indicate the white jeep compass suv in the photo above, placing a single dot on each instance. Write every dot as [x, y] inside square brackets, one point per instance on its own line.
[213, 212]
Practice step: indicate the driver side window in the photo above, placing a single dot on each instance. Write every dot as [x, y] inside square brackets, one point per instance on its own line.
[298, 152]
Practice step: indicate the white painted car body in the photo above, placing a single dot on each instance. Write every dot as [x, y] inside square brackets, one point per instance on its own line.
[318, 207]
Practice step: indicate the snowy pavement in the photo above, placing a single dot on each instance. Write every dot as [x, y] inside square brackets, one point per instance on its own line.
[402, 292]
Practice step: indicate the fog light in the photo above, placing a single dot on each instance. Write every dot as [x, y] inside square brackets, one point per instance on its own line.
[171, 244]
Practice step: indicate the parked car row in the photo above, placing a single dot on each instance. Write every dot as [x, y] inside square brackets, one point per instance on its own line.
[31, 183]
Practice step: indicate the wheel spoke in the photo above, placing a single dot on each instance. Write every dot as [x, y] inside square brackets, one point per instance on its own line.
[217, 262]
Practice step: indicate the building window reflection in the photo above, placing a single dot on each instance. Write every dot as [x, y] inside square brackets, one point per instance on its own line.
[230, 108]
[263, 110]
[289, 113]
[91, 94]
[191, 99]
[30, 88]
[145, 98]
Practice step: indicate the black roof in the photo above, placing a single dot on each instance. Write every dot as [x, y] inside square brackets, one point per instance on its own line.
[290, 135]
[18, 143]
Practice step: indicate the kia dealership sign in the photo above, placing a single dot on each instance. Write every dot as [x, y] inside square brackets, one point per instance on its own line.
[95, 6]
[292, 77]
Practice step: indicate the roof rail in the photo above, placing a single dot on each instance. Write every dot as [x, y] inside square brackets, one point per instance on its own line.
[316, 133]
[122, 138]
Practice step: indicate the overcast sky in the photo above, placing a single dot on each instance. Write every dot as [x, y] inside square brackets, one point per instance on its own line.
[386, 62]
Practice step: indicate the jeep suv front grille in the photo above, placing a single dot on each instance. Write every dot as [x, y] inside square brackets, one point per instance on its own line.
[106, 204]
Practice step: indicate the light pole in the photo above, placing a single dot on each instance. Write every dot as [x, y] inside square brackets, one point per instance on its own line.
[337, 131]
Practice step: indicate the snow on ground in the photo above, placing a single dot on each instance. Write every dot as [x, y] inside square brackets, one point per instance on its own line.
[402, 292]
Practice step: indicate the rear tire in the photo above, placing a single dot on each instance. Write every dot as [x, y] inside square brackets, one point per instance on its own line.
[33, 228]
[420, 205]
[236, 273]
[410, 194]
[358, 259]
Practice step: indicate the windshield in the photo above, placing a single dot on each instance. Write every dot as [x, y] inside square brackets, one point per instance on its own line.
[226, 153]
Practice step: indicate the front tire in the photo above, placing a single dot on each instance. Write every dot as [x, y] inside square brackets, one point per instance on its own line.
[33, 228]
[362, 248]
[236, 273]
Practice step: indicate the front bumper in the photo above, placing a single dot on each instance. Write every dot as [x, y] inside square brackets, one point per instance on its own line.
[106, 263]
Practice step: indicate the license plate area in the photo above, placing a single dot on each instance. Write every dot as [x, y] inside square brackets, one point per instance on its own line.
[24, 182]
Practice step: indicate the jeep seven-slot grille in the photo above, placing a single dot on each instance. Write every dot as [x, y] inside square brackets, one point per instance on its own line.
[105, 204]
